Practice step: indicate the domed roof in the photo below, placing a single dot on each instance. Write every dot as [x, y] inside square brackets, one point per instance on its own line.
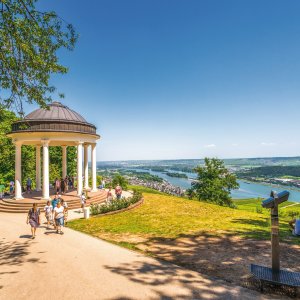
[56, 111]
[58, 118]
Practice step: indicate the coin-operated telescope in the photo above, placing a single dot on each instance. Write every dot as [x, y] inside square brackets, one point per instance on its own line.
[272, 203]
[275, 275]
[275, 199]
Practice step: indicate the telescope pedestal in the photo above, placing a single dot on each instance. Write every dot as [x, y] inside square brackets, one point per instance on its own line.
[275, 239]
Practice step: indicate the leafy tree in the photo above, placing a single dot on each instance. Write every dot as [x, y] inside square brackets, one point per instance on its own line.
[55, 162]
[7, 149]
[119, 180]
[28, 164]
[190, 193]
[214, 182]
[29, 42]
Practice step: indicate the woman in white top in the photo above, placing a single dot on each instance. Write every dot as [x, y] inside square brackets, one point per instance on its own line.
[59, 217]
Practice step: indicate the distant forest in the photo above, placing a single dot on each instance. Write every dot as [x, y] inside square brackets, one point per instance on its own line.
[271, 171]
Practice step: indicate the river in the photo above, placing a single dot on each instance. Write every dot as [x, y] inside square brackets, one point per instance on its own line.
[246, 190]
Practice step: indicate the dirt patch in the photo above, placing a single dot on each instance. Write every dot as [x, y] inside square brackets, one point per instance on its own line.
[227, 257]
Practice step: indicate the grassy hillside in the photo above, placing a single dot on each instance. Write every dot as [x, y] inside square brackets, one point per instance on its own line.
[170, 217]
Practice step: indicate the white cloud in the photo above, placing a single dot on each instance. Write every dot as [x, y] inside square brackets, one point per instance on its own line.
[267, 144]
[210, 146]
[234, 144]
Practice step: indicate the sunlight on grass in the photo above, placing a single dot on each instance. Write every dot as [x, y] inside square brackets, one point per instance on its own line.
[169, 217]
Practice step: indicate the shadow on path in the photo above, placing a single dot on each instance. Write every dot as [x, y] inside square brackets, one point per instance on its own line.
[159, 274]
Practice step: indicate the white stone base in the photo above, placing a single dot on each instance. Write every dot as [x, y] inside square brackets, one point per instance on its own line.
[94, 191]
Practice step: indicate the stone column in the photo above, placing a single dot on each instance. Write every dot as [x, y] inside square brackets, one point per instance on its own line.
[46, 194]
[64, 162]
[79, 168]
[94, 169]
[86, 167]
[38, 167]
[18, 171]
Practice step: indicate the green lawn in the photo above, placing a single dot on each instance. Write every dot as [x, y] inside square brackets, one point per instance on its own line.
[170, 217]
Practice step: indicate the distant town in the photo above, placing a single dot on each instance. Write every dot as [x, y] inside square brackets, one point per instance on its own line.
[283, 171]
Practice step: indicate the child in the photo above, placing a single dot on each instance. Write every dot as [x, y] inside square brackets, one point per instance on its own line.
[65, 205]
[48, 213]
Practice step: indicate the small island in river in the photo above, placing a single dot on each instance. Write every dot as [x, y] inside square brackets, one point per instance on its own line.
[178, 175]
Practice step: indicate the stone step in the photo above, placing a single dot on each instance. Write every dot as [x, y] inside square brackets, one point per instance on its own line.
[40, 204]
[11, 206]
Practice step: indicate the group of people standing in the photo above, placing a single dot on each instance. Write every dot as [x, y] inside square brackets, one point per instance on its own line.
[56, 213]
[118, 193]
[61, 186]
[64, 184]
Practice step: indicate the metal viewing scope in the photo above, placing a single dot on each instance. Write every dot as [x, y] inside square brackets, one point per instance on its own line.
[275, 275]
[275, 199]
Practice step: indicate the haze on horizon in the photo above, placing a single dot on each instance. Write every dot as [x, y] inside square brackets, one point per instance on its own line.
[185, 79]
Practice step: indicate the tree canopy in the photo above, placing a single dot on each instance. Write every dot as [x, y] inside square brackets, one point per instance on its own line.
[214, 182]
[29, 42]
[120, 180]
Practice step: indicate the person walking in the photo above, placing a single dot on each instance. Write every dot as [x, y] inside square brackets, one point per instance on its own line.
[33, 218]
[65, 205]
[48, 213]
[59, 217]
[54, 204]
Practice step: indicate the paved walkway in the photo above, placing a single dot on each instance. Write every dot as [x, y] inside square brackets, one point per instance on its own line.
[77, 266]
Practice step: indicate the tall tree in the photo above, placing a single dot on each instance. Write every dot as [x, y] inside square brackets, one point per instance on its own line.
[29, 42]
[214, 182]
[7, 149]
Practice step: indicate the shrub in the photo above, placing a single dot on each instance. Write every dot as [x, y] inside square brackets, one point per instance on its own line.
[115, 205]
[259, 209]
[119, 180]
[293, 214]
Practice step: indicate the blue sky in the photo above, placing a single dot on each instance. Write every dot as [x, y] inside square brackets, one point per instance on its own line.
[185, 79]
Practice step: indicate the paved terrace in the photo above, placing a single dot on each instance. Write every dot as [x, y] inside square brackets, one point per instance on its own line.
[77, 266]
